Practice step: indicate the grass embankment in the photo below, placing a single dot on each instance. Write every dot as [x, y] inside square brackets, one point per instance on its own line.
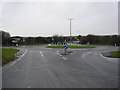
[115, 54]
[71, 46]
[34, 44]
[8, 55]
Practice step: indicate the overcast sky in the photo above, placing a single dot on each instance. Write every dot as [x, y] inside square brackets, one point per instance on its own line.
[49, 18]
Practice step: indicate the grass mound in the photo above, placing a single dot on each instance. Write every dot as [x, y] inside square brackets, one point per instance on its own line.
[115, 54]
[8, 55]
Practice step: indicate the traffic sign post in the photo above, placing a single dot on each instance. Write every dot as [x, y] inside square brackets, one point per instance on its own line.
[65, 48]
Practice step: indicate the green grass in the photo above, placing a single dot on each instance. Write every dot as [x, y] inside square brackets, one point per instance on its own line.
[71, 46]
[115, 54]
[8, 55]
[35, 44]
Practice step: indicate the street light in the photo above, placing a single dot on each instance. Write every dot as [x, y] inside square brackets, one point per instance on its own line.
[70, 19]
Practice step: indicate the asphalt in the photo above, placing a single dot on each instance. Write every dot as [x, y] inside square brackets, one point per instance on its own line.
[40, 67]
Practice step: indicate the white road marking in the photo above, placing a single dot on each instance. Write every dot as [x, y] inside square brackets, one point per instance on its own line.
[24, 53]
[85, 54]
[48, 48]
[64, 58]
[12, 63]
[59, 53]
[41, 53]
[28, 86]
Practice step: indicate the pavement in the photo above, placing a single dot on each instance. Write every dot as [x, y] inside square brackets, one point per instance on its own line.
[40, 67]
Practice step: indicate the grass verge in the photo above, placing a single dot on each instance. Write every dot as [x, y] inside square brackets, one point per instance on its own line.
[8, 55]
[115, 54]
[34, 44]
[70, 46]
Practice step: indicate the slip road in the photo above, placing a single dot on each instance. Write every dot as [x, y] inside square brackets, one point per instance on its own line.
[40, 67]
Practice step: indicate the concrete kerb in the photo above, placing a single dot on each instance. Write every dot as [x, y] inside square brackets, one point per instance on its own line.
[19, 53]
[106, 54]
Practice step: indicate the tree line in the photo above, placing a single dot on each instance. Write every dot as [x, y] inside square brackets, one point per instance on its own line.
[7, 40]
[99, 39]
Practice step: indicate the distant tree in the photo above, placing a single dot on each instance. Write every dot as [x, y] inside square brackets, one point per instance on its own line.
[106, 39]
[83, 40]
[0, 38]
[114, 39]
[29, 40]
[79, 37]
[49, 39]
[55, 38]
[92, 38]
[38, 40]
[5, 38]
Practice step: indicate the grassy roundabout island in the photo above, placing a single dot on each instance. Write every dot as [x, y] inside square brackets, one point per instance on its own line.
[8, 55]
[115, 54]
[71, 46]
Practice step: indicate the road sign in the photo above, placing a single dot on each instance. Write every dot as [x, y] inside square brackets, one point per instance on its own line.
[65, 47]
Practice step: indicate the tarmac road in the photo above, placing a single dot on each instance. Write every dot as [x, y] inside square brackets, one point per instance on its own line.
[40, 67]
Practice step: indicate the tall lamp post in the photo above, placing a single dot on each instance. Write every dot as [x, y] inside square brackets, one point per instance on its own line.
[70, 19]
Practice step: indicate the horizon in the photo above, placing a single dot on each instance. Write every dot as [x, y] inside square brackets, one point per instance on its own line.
[67, 35]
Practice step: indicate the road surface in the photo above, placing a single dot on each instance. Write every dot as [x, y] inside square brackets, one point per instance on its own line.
[40, 67]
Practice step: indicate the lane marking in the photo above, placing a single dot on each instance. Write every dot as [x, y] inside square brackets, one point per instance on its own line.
[12, 63]
[29, 87]
[64, 58]
[59, 53]
[48, 48]
[86, 54]
[41, 53]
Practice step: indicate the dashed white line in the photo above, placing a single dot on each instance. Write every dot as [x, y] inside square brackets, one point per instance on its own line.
[59, 53]
[85, 54]
[61, 56]
[41, 53]
[64, 58]
[28, 86]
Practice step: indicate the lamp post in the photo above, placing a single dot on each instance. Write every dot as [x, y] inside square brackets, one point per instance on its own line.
[70, 19]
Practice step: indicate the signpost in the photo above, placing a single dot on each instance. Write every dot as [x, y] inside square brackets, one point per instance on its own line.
[70, 19]
[65, 48]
